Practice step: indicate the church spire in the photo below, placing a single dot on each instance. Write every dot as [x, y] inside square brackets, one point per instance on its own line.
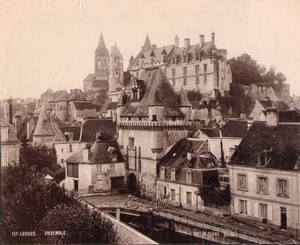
[101, 49]
[101, 43]
[147, 44]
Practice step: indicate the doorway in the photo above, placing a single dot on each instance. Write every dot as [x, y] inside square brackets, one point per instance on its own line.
[75, 185]
[283, 218]
[131, 184]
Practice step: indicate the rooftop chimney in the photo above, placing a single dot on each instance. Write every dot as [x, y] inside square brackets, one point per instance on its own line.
[272, 116]
[85, 153]
[213, 37]
[201, 40]
[186, 43]
[154, 46]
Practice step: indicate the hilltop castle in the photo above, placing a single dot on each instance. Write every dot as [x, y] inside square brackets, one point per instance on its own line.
[199, 67]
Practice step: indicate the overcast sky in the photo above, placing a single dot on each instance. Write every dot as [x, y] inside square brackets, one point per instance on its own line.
[51, 43]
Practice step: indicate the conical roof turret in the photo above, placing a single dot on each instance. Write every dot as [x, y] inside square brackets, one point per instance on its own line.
[115, 51]
[147, 44]
[183, 99]
[43, 126]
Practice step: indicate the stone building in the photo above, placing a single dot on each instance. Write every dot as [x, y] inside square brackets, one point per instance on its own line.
[154, 118]
[199, 66]
[186, 167]
[264, 173]
[10, 145]
[62, 108]
[99, 168]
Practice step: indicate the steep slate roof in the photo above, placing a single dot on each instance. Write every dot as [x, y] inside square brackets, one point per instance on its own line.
[11, 134]
[79, 96]
[158, 91]
[282, 141]
[289, 116]
[177, 156]
[43, 127]
[109, 105]
[277, 104]
[81, 105]
[233, 128]
[23, 131]
[101, 49]
[72, 129]
[98, 153]
[93, 126]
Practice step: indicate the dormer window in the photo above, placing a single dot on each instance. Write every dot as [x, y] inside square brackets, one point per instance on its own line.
[197, 56]
[188, 176]
[264, 157]
[184, 57]
[173, 60]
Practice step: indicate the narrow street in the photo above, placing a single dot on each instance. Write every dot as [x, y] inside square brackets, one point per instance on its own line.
[246, 227]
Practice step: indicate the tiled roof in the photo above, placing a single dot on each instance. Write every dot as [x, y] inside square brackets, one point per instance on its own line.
[72, 129]
[93, 126]
[158, 90]
[176, 157]
[43, 127]
[99, 153]
[281, 141]
[81, 105]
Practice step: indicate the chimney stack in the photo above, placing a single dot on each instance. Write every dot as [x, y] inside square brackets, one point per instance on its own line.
[186, 43]
[272, 115]
[85, 153]
[201, 40]
[213, 37]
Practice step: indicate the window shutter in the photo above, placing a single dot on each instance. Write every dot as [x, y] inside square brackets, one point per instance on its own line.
[270, 214]
[255, 209]
[236, 206]
[249, 207]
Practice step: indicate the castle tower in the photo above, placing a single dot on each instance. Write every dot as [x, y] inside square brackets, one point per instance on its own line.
[115, 69]
[101, 60]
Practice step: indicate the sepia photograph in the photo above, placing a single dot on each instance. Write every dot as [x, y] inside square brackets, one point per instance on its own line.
[150, 121]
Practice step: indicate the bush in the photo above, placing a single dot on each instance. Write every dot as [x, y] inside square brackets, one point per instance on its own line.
[79, 224]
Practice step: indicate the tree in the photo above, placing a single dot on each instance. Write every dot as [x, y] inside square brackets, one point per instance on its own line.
[80, 225]
[26, 198]
[245, 70]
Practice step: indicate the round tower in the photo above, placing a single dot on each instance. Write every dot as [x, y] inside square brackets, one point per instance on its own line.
[115, 69]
